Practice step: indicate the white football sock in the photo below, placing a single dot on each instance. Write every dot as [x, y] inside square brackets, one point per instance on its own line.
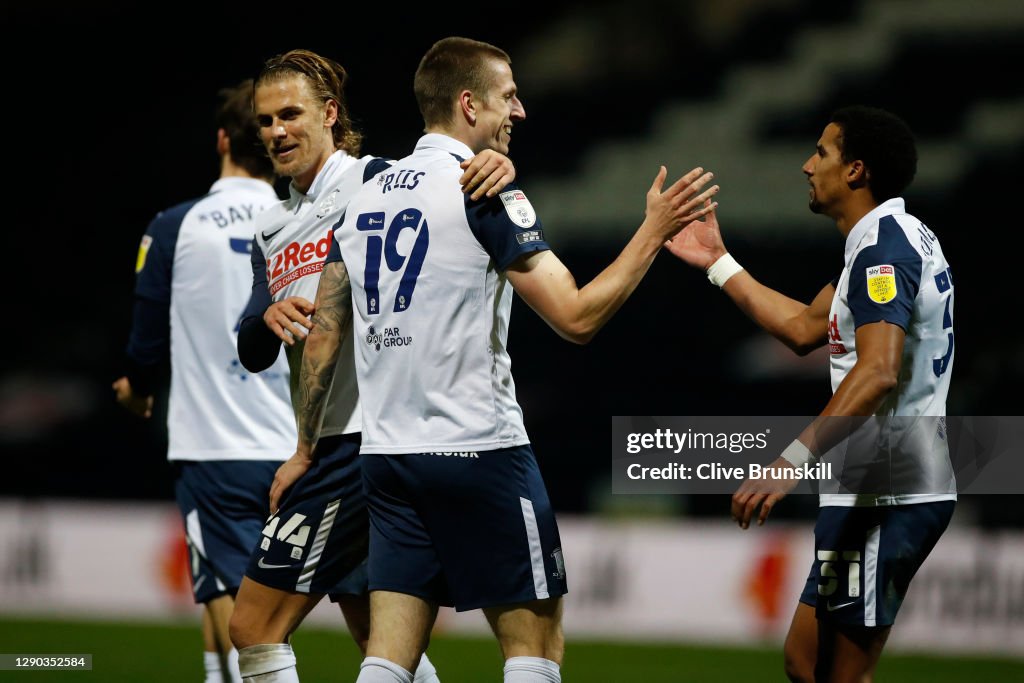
[273, 663]
[211, 664]
[232, 666]
[531, 670]
[377, 670]
[425, 672]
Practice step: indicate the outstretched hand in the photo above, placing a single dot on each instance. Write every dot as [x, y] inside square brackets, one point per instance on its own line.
[670, 211]
[487, 173]
[289, 317]
[764, 492]
[699, 243]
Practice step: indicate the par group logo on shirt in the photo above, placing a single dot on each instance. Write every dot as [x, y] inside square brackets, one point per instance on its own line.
[881, 283]
[374, 338]
[389, 337]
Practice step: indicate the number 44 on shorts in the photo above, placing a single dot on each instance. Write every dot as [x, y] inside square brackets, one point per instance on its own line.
[285, 534]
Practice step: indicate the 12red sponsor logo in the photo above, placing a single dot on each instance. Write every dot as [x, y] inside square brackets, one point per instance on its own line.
[297, 260]
[835, 342]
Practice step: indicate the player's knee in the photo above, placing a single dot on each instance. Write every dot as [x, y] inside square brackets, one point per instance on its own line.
[544, 639]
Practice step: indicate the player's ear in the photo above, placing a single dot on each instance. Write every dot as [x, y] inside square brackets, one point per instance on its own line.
[857, 174]
[223, 142]
[467, 106]
[330, 113]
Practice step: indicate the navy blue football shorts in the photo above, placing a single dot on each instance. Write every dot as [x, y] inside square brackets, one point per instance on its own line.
[317, 541]
[467, 530]
[865, 558]
[224, 504]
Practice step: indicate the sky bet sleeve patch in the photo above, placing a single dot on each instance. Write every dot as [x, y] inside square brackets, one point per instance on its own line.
[881, 283]
[518, 208]
[140, 260]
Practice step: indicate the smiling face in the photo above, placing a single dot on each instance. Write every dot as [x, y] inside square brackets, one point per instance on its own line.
[827, 173]
[498, 109]
[295, 127]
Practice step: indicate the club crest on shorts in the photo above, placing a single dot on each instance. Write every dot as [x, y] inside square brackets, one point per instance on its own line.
[518, 208]
[881, 283]
[559, 572]
[144, 245]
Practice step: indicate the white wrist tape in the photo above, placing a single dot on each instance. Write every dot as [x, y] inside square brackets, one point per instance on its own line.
[797, 454]
[723, 269]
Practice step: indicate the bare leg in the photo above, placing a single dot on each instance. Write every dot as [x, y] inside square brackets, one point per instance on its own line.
[400, 627]
[356, 610]
[855, 652]
[266, 615]
[801, 648]
[219, 611]
[209, 640]
[530, 629]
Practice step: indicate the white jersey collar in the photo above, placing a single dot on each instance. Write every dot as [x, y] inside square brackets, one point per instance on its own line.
[336, 163]
[886, 208]
[241, 182]
[446, 143]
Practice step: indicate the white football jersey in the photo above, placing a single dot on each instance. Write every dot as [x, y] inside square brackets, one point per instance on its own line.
[197, 254]
[432, 304]
[895, 271]
[294, 237]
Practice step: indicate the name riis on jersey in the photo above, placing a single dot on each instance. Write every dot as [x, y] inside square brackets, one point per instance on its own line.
[405, 179]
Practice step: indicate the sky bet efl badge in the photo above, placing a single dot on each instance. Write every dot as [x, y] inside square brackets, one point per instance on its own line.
[518, 208]
[881, 284]
[140, 260]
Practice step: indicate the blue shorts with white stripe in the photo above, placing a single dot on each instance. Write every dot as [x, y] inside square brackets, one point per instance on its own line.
[865, 558]
[223, 504]
[463, 529]
[317, 541]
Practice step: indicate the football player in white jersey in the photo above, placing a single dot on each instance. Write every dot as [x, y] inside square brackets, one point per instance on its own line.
[315, 544]
[888, 322]
[226, 427]
[459, 513]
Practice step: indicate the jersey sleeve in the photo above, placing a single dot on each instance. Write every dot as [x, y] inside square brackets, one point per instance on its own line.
[154, 264]
[149, 341]
[885, 278]
[506, 226]
[149, 344]
[334, 253]
[258, 347]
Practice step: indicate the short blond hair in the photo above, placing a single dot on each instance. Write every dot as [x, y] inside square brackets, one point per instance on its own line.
[450, 66]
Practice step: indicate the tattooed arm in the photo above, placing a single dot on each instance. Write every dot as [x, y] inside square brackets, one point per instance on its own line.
[332, 320]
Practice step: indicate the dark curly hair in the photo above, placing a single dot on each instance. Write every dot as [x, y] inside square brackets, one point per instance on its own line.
[884, 143]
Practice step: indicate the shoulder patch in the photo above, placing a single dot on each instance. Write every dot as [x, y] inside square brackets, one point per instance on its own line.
[881, 283]
[518, 208]
[144, 245]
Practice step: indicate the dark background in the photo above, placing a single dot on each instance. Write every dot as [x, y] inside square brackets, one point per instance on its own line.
[108, 114]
